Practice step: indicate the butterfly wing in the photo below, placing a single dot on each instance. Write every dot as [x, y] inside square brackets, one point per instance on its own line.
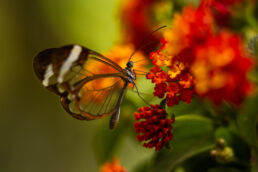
[43, 69]
[93, 99]
[88, 83]
[57, 65]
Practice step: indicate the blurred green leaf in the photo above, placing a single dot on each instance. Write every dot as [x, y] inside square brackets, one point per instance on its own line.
[225, 169]
[106, 141]
[255, 160]
[193, 134]
[247, 121]
[183, 108]
[142, 167]
[201, 163]
[250, 17]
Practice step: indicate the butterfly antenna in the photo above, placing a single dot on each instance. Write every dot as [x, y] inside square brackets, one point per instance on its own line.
[139, 61]
[145, 39]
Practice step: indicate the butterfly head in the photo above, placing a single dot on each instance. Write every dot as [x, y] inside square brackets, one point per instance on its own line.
[130, 73]
[129, 64]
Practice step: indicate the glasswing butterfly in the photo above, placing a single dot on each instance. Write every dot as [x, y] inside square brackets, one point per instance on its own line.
[85, 93]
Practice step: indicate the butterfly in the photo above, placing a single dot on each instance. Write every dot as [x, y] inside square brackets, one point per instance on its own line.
[85, 92]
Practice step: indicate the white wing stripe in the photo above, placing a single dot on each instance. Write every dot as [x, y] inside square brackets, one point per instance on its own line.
[48, 74]
[73, 56]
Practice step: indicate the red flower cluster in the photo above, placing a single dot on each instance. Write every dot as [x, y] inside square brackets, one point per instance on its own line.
[153, 126]
[179, 87]
[196, 58]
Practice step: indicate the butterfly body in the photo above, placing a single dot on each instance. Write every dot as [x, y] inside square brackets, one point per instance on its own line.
[85, 92]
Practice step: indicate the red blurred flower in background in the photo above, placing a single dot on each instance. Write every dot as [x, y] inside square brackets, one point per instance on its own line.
[114, 166]
[220, 69]
[137, 23]
[153, 126]
[222, 9]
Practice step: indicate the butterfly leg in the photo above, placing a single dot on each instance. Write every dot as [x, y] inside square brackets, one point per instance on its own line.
[140, 94]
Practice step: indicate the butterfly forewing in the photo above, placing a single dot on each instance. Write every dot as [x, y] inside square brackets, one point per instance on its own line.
[43, 68]
[88, 83]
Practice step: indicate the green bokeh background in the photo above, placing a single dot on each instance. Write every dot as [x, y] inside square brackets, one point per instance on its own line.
[36, 133]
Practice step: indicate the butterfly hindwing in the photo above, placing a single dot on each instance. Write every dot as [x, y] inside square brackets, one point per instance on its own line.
[96, 98]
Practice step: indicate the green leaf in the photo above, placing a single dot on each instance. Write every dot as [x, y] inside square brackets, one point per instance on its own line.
[225, 169]
[183, 108]
[255, 160]
[142, 167]
[247, 121]
[193, 134]
[106, 141]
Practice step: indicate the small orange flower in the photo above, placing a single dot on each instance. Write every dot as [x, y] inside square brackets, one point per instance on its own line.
[159, 58]
[157, 75]
[176, 69]
[114, 166]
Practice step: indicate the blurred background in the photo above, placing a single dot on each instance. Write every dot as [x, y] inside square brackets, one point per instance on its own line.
[36, 133]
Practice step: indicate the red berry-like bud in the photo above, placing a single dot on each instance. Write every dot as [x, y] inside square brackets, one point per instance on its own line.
[155, 128]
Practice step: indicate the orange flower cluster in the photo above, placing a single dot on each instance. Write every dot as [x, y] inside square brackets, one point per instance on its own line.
[114, 166]
[220, 69]
[153, 126]
[196, 58]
